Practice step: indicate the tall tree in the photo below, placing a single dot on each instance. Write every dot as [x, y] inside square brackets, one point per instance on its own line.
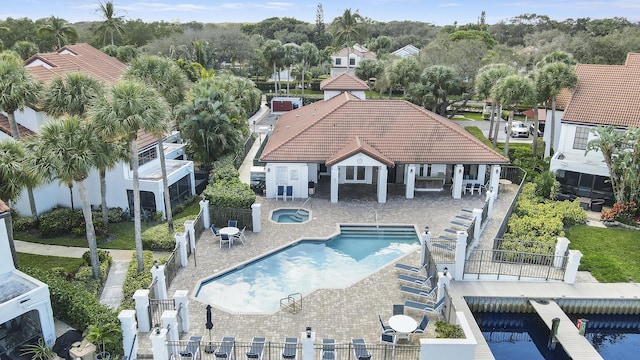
[25, 49]
[404, 72]
[66, 150]
[308, 56]
[59, 29]
[291, 57]
[487, 77]
[168, 79]
[555, 77]
[510, 91]
[112, 23]
[348, 30]
[436, 84]
[273, 52]
[128, 107]
[368, 70]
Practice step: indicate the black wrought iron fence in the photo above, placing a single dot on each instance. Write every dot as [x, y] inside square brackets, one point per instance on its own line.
[485, 213]
[171, 267]
[198, 225]
[157, 307]
[471, 232]
[517, 264]
[187, 239]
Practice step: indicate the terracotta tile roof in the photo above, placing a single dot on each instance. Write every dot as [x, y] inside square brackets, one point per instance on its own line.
[390, 130]
[71, 58]
[606, 94]
[343, 82]
[562, 100]
[6, 128]
[542, 114]
[3, 207]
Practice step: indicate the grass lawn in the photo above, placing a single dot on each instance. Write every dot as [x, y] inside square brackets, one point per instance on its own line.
[121, 234]
[47, 263]
[611, 255]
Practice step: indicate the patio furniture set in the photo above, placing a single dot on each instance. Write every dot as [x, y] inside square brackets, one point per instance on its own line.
[229, 234]
[284, 192]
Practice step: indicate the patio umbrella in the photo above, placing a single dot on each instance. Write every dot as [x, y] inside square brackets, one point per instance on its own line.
[209, 325]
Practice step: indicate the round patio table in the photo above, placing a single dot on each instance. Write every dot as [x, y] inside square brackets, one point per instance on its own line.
[229, 230]
[402, 324]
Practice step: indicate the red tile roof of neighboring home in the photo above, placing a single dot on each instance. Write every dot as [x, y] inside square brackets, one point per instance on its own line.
[3, 207]
[392, 131]
[542, 114]
[6, 128]
[606, 94]
[79, 57]
[343, 82]
[562, 99]
[358, 50]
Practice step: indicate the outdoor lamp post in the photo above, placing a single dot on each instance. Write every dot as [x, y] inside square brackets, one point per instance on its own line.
[308, 332]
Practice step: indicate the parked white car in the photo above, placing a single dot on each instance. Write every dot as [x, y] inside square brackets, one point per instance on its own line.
[518, 129]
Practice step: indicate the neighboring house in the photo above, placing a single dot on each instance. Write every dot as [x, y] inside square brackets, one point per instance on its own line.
[407, 51]
[604, 95]
[356, 54]
[25, 305]
[333, 86]
[348, 140]
[180, 172]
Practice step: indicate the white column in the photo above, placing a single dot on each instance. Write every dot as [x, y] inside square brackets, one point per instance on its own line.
[141, 299]
[189, 227]
[443, 283]
[410, 187]
[458, 173]
[308, 345]
[256, 217]
[425, 241]
[204, 210]
[169, 320]
[491, 198]
[181, 298]
[382, 184]
[157, 273]
[572, 266]
[181, 243]
[461, 255]
[129, 330]
[335, 177]
[561, 248]
[494, 180]
[482, 173]
[477, 214]
[158, 344]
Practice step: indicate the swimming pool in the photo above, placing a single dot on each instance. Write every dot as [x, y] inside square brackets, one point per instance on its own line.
[307, 265]
[290, 216]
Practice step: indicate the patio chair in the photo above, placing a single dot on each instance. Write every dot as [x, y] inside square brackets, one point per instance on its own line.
[422, 326]
[240, 236]
[192, 348]
[290, 350]
[225, 351]
[477, 187]
[214, 231]
[289, 193]
[409, 268]
[428, 293]
[257, 348]
[280, 192]
[416, 280]
[225, 239]
[328, 349]
[385, 329]
[232, 223]
[426, 307]
[360, 349]
[398, 309]
[468, 188]
[387, 339]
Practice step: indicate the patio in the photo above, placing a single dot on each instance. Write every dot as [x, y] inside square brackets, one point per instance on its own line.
[332, 313]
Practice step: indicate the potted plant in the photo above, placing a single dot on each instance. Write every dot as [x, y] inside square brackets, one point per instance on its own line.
[38, 351]
[103, 335]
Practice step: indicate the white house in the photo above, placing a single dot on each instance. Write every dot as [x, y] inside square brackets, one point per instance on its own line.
[180, 172]
[604, 95]
[406, 51]
[25, 306]
[349, 58]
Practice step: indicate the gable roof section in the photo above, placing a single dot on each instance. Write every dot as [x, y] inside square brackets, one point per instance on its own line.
[71, 58]
[397, 130]
[606, 94]
[6, 128]
[357, 146]
[343, 82]
[357, 50]
[406, 51]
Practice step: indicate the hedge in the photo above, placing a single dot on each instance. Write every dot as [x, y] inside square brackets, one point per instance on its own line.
[136, 280]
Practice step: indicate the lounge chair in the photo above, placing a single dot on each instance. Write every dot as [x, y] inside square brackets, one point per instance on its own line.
[424, 292]
[192, 348]
[422, 326]
[398, 309]
[225, 351]
[290, 350]
[289, 193]
[385, 329]
[257, 348]
[415, 280]
[426, 307]
[360, 349]
[409, 268]
[328, 349]
[232, 223]
[224, 238]
[280, 192]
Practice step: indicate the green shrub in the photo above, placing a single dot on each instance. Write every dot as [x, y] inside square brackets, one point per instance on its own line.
[59, 221]
[230, 194]
[136, 280]
[158, 238]
[20, 223]
[448, 331]
[115, 215]
[103, 256]
[547, 187]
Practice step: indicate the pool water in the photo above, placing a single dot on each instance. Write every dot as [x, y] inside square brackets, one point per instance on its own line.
[613, 336]
[307, 265]
[290, 216]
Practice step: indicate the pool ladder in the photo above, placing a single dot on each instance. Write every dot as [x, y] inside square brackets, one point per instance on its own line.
[293, 302]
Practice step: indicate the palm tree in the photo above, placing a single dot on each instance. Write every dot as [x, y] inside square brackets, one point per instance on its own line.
[168, 79]
[541, 96]
[112, 23]
[369, 69]
[440, 81]
[60, 29]
[291, 56]
[510, 91]
[556, 76]
[348, 29]
[308, 56]
[66, 150]
[487, 77]
[273, 53]
[404, 72]
[131, 106]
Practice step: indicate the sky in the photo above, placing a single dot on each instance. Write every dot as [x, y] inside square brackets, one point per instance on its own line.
[432, 11]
